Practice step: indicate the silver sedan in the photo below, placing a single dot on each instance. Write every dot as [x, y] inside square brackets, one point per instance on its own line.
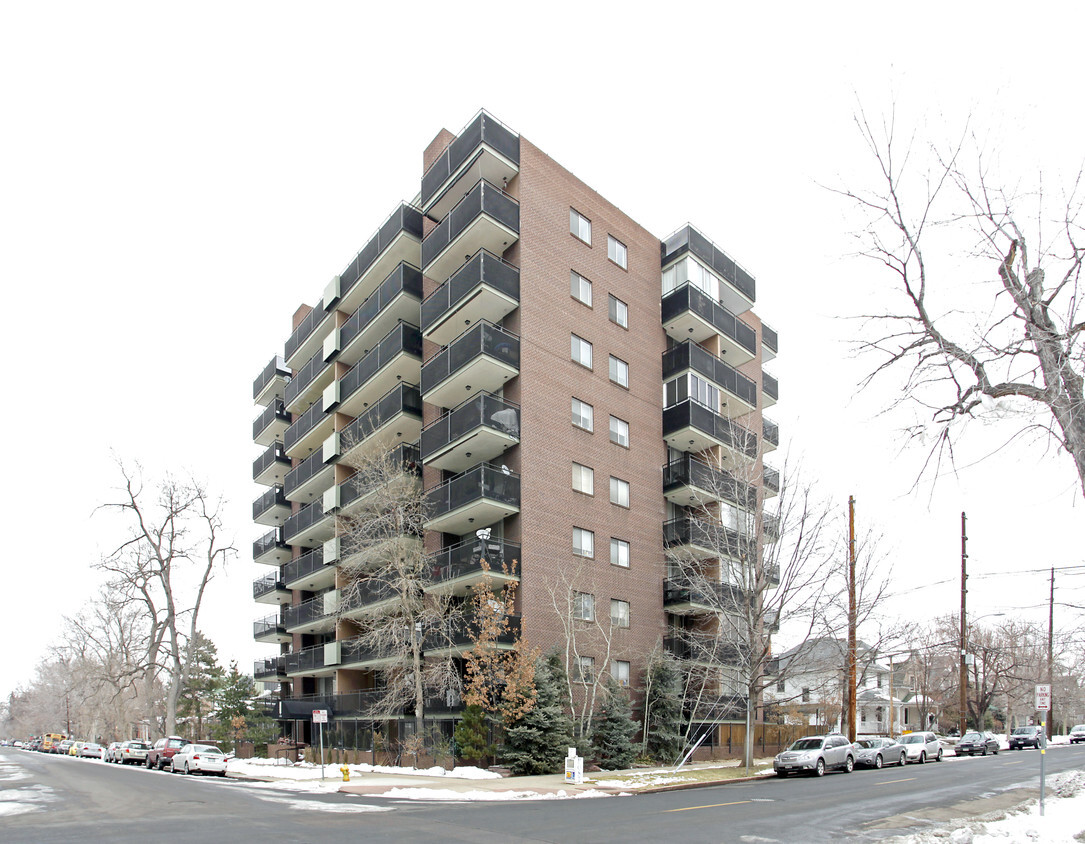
[876, 752]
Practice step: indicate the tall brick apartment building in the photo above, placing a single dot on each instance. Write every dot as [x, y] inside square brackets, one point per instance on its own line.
[562, 376]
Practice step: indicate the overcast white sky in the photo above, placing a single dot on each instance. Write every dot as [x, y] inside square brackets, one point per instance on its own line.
[176, 179]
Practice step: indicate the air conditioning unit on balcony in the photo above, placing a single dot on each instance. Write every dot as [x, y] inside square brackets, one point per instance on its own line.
[331, 292]
[331, 499]
[331, 602]
[331, 448]
[331, 396]
[332, 653]
[331, 551]
[331, 344]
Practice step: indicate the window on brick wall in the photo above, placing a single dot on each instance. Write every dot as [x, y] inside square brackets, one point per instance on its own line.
[619, 552]
[617, 252]
[619, 492]
[619, 431]
[580, 288]
[585, 669]
[583, 542]
[619, 371]
[619, 613]
[583, 479]
[580, 225]
[619, 311]
[581, 351]
[619, 670]
[583, 415]
[584, 606]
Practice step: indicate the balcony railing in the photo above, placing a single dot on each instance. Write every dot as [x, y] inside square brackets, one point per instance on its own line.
[305, 471]
[463, 563]
[477, 281]
[269, 416]
[706, 649]
[717, 429]
[406, 219]
[464, 633]
[770, 431]
[309, 659]
[308, 373]
[305, 565]
[404, 455]
[726, 708]
[277, 368]
[690, 355]
[771, 480]
[264, 669]
[483, 200]
[274, 497]
[272, 625]
[305, 328]
[364, 594]
[688, 471]
[270, 582]
[700, 592]
[487, 424]
[404, 280]
[688, 239]
[309, 420]
[274, 455]
[484, 129]
[273, 540]
[306, 612]
[364, 703]
[770, 339]
[301, 521]
[483, 343]
[712, 537]
[483, 483]
[688, 298]
[403, 400]
[404, 339]
[770, 386]
[357, 652]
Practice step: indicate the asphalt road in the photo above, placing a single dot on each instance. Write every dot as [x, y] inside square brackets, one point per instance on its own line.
[90, 801]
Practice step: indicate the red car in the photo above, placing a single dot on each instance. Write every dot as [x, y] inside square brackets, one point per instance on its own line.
[161, 754]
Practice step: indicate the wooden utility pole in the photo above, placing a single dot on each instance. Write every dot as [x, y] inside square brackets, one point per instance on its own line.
[852, 614]
[1051, 655]
[964, 632]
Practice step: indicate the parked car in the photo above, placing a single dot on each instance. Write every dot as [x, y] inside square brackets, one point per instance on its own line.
[133, 752]
[1026, 737]
[91, 750]
[815, 755]
[1077, 734]
[161, 753]
[922, 746]
[973, 743]
[111, 752]
[199, 759]
[876, 752]
[64, 748]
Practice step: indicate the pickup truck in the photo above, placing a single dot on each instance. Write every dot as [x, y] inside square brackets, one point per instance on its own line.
[161, 753]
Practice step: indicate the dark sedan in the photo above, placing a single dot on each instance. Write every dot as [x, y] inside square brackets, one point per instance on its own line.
[981, 743]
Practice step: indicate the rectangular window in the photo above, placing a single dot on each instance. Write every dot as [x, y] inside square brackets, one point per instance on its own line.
[583, 542]
[581, 351]
[619, 670]
[584, 606]
[806, 695]
[619, 613]
[780, 686]
[619, 553]
[617, 252]
[580, 288]
[619, 312]
[619, 492]
[583, 415]
[619, 431]
[583, 479]
[585, 669]
[619, 371]
[580, 226]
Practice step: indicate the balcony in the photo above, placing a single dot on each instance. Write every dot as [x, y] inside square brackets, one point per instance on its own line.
[486, 149]
[395, 417]
[485, 288]
[270, 424]
[459, 569]
[271, 467]
[271, 548]
[270, 589]
[770, 389]
[701, 539]
[690, 482]
[689, 313]
[738, 394]
[479, 430]
[354, 653]
[770, 481]
[346, 498]
[737, 288]
[696, 597]
[477, 498]
[269, 670]
[316, 615]
[706, 650]
[770, 527]
[308, 337]
[270, 384]
[309, 572]
[310, 526]
[394, 359]
[457, 638]
[396, 300]
[770, 435]
[320, 660]
[270, 630]
[396, 241]
[309, 431]
[362, 703]
[308, 480]
[481, 359]
[271, 508]
[689, 426]
[485, 218]
[770, 343]
[368, 597]
[306, 387]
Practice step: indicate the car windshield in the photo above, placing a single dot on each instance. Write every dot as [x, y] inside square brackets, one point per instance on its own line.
[912, 739]
[807, 744]
[139, 745]
[972, 737]
[176, 743]
[1080, 728]
[210, 750]
[869, 743]
[1023, 731]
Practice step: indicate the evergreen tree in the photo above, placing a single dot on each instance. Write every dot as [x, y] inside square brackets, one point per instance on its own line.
[235, 716]
[663, 708]
[537, 742]
[472, 734]
[195, 701]
[612, 736]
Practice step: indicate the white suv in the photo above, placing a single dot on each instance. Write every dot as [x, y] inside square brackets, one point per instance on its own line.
[814, 755]
[922, 746]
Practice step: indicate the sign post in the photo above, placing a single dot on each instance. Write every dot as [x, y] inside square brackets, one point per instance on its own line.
[320, 716]
[1043, 706]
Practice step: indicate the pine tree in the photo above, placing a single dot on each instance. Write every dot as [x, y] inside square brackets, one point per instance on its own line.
[612, 736]
[663, 708]
[538, 742]
[472, 735]
[204, 676]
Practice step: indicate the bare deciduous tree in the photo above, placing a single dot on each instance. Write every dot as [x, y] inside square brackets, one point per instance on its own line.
[1011, 344]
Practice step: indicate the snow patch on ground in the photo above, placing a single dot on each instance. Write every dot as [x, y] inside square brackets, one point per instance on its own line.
[18, 801]
[313, 806]
[448, 794]
[272, 768]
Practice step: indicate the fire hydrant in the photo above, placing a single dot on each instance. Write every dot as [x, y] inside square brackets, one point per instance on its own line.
[346, 773]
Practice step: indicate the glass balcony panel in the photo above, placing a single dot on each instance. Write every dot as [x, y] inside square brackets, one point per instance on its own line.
[770, 434]
[483, 358]
[309, 478]
[690, 482]
[309, 617]
[396, 241]
[309, 383]
[394, 359]
[271, 548]
[486, 218]
[397, 299]
[701, 538]
[270, 424]
[270, 384]
[309, 431]
[310, 526]
[739, 291]
[485, 149]
[270, 589]
[396, 416]
[688, 313]
[459, 569]
[692, 427]
[271, 508]
[485, 288]
[309, 335]
[477, 431]
[309, 572]
[770, 481]
[477, 498]
[270, 629]
[739, 392]
[770, 389]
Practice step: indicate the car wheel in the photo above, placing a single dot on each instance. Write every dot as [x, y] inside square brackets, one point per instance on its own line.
[878, 761]
[938, 758]
[780, 774]
[819, 770]
[222, 773]
[161, 764]
[903, 759]
[849, 765]
[186, 769]
[148, 763]
[922, 757]
[985, 750]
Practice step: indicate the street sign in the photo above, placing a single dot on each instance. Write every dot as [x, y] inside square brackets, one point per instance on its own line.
[320, 716]
[1043, 697]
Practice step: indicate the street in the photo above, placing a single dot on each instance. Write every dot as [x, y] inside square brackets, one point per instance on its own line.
[88, 800]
